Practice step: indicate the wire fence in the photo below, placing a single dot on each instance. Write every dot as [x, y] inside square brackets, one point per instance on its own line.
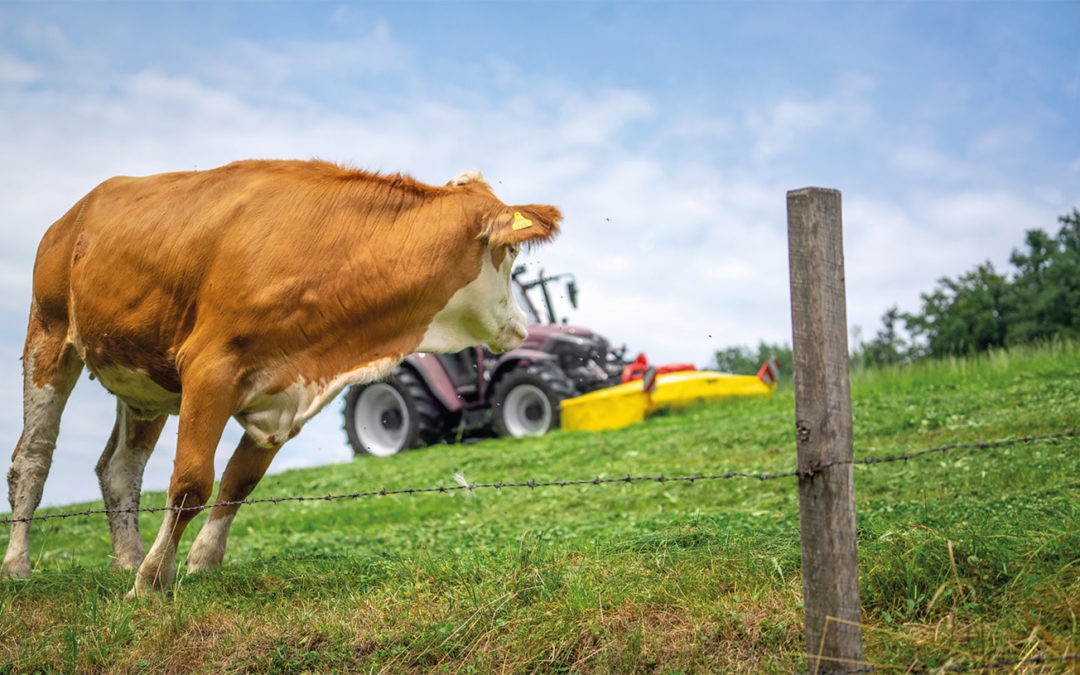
[461, 484]
[1066, 661]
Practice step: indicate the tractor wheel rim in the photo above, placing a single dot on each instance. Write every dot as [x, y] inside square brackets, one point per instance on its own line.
[382, 420]
[527, 411]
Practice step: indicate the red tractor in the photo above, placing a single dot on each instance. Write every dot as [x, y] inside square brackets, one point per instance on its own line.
[445, 398]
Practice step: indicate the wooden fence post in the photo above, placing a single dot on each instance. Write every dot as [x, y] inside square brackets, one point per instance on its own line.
[823, 429]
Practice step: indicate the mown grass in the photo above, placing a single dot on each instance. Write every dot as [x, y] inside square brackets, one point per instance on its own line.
[966, 557]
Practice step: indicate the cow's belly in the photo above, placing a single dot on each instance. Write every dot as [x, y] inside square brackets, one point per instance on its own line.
[138, 390]
[271, 419]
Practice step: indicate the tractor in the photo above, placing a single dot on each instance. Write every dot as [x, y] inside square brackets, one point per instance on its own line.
[448, 398]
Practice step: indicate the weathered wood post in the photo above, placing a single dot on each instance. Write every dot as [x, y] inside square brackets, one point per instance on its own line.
[823, 428]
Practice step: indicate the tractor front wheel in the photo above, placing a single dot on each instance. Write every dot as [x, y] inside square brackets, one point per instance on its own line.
[527, 400]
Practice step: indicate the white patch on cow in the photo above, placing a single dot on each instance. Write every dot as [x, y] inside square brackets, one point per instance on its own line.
[272, 419]
[467, 177]
[135, 388]
[482, 312]
[208, 550]
[121, 485]
[31, 465]
[159, 568]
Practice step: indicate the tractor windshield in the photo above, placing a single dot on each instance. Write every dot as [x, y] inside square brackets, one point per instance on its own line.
[525, 303]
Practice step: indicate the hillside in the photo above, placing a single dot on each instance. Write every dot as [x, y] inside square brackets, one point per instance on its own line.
[969, 556]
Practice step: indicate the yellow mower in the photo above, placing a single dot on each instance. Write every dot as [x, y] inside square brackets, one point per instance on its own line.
[647, 390]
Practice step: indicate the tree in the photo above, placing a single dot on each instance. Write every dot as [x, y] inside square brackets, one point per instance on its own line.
[1046, 288]
[888, 346]
[1031, 302]
[734, 360]
[965, 315]
[982, 309]
[1063, 278]
[746, 361]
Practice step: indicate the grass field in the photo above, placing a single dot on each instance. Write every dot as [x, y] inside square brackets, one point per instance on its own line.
[966, 557]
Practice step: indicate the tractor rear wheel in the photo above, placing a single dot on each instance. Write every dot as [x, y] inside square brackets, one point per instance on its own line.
[396, 414]
[527, 400]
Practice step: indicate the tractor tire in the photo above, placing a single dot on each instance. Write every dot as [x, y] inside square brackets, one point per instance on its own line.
[527, 401]
[393, 415]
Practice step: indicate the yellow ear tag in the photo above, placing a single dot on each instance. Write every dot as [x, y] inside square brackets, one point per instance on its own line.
[520, 221]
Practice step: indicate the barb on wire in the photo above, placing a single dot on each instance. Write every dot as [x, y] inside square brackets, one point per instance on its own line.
[462, 484]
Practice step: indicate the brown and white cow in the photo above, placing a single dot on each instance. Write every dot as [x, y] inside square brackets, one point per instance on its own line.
[257, 291]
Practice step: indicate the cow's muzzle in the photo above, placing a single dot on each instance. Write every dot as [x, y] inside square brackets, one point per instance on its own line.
[510, 337]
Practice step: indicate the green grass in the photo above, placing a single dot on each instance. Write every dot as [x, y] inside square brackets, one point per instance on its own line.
[966, 557]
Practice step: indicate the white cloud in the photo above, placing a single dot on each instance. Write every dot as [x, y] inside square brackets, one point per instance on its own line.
[998, 140]
[790, 121]
[894, 250]
[928, 163]
[295, 71]
[597, 119]
[15, 71]
[982, 214]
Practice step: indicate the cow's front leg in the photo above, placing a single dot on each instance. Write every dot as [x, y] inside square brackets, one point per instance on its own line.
[204, 410]
[120, 474]
[246, 468]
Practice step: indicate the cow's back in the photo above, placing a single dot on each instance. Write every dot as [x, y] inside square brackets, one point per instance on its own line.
[161, 232]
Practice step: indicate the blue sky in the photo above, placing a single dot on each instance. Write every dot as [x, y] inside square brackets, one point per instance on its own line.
[667, 132]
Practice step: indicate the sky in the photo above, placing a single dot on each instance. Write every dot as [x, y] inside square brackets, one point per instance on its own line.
[668, 133]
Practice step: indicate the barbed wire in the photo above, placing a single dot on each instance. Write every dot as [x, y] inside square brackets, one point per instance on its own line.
[463, 485]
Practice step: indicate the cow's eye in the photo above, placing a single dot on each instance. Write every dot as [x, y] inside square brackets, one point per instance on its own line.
[513, 250]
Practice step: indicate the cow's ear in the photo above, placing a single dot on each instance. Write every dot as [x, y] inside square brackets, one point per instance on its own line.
[523, 226]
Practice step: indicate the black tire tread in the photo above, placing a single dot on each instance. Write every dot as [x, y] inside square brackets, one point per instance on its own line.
[430, 413]
[546, 375]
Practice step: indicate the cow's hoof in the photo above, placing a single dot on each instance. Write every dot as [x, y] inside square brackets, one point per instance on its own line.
[152, 579]
[142, 590]
[202, 558]
[194, 567]
[144, 593]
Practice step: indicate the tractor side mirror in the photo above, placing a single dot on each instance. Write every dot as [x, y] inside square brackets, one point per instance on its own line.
[571, 292]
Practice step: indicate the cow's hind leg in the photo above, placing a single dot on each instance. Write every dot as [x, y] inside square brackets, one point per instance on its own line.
[120, 473]
[50, 369]
[246, 467]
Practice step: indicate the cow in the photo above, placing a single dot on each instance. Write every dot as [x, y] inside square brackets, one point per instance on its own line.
[255, 291]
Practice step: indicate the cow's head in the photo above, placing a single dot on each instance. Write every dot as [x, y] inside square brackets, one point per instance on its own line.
[484, 310]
